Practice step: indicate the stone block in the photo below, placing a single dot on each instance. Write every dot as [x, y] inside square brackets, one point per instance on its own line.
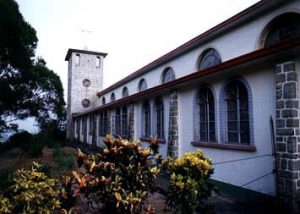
[279, 139]
[280, 78]
[278, 114]
[291, 104]
[289, 90]
[285, 131]
[278, 94]
[288, 174]
[280, 123]
[290, 186]
[278, 69]
[289, 113]
[289, 67]
[292, 123]
[281, 147]
[283, 164]
[292, 76]
[279, 104]
[294, 164]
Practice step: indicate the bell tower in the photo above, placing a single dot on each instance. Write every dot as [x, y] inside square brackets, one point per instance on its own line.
[85, 79]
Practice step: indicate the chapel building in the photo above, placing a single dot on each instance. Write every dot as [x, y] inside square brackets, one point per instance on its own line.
[232, 91]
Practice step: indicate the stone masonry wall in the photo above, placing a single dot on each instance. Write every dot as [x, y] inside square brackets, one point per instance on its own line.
[288, 133]
[173, 125]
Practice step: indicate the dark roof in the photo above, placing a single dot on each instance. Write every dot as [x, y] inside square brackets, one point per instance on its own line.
[83, 51]
[240, 18]
[270, 54]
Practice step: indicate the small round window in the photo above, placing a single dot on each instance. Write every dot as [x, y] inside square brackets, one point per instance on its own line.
[86, 103]
[86, 82]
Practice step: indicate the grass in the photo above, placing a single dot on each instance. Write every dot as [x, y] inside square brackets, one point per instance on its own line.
[65, 161]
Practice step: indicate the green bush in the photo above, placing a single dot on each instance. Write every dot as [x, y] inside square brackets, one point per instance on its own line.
[19, 139]
[189, 185]
[31, 191]
[120, 177]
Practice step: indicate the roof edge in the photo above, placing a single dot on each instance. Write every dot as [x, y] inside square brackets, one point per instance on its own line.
[71, 50]
[191, 43]
[255, 55]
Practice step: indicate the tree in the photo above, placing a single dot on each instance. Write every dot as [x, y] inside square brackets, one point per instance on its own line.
[27, 86]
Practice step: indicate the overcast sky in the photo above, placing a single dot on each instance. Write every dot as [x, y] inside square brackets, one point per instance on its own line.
[132, 32]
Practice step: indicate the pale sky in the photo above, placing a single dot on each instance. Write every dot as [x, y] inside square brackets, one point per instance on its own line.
[132, 32]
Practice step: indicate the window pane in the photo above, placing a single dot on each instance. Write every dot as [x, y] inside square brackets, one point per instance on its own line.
[232, 137]
[245, 139]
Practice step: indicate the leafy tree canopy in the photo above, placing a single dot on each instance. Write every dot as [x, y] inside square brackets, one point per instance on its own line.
[27, 86]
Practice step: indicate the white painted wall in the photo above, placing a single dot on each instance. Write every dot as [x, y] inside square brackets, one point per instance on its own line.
[239, 41]
[262, 83]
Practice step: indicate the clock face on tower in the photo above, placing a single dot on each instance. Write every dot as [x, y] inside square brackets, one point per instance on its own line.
[85, 103]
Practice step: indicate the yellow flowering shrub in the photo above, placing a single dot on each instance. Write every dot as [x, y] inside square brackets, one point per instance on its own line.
[31, 191]
[189, 185]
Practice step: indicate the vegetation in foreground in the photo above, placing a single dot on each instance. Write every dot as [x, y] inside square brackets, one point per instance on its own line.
[117, 179]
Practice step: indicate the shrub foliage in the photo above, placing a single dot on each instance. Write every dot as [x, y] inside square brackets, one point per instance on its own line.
[119, 177]
[189, 185]
[31, 191]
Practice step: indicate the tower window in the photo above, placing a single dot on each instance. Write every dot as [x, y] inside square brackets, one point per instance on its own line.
[77, 60]
[98, 62]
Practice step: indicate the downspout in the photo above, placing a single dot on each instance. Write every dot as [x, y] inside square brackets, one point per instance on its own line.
[274, 154]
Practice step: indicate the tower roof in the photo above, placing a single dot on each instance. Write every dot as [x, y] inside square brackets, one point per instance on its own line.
[83, 51]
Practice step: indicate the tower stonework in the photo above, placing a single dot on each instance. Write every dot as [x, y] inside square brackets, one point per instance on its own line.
[85, 79]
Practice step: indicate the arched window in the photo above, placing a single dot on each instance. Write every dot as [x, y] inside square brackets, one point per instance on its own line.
[78, 127]
[282, 28]
[77, 60]
[117, 122]
[103, 123]
[98, 62]
[237, 111]
[112, 97]
[124, 122]
[125, 92]
[168, 75]
[206, 115]
[209, 58]
[142, 85]
[146, 120]
[103, 101]
[159, 118]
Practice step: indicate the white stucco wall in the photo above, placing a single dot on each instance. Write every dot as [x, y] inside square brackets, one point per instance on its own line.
[255, 164]
[251, 170]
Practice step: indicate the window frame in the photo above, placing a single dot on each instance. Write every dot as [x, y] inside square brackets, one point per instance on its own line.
[206, 115]
[205, 56]
[146, 119]
[142, 85]
[158, 111]
[168, 75]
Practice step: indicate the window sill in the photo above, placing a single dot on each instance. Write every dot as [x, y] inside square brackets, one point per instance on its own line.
[149, 139]
[246, 148]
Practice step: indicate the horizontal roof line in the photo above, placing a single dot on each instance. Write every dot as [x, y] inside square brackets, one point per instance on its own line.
[188, 45]
[71, 50]
[255, 55]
